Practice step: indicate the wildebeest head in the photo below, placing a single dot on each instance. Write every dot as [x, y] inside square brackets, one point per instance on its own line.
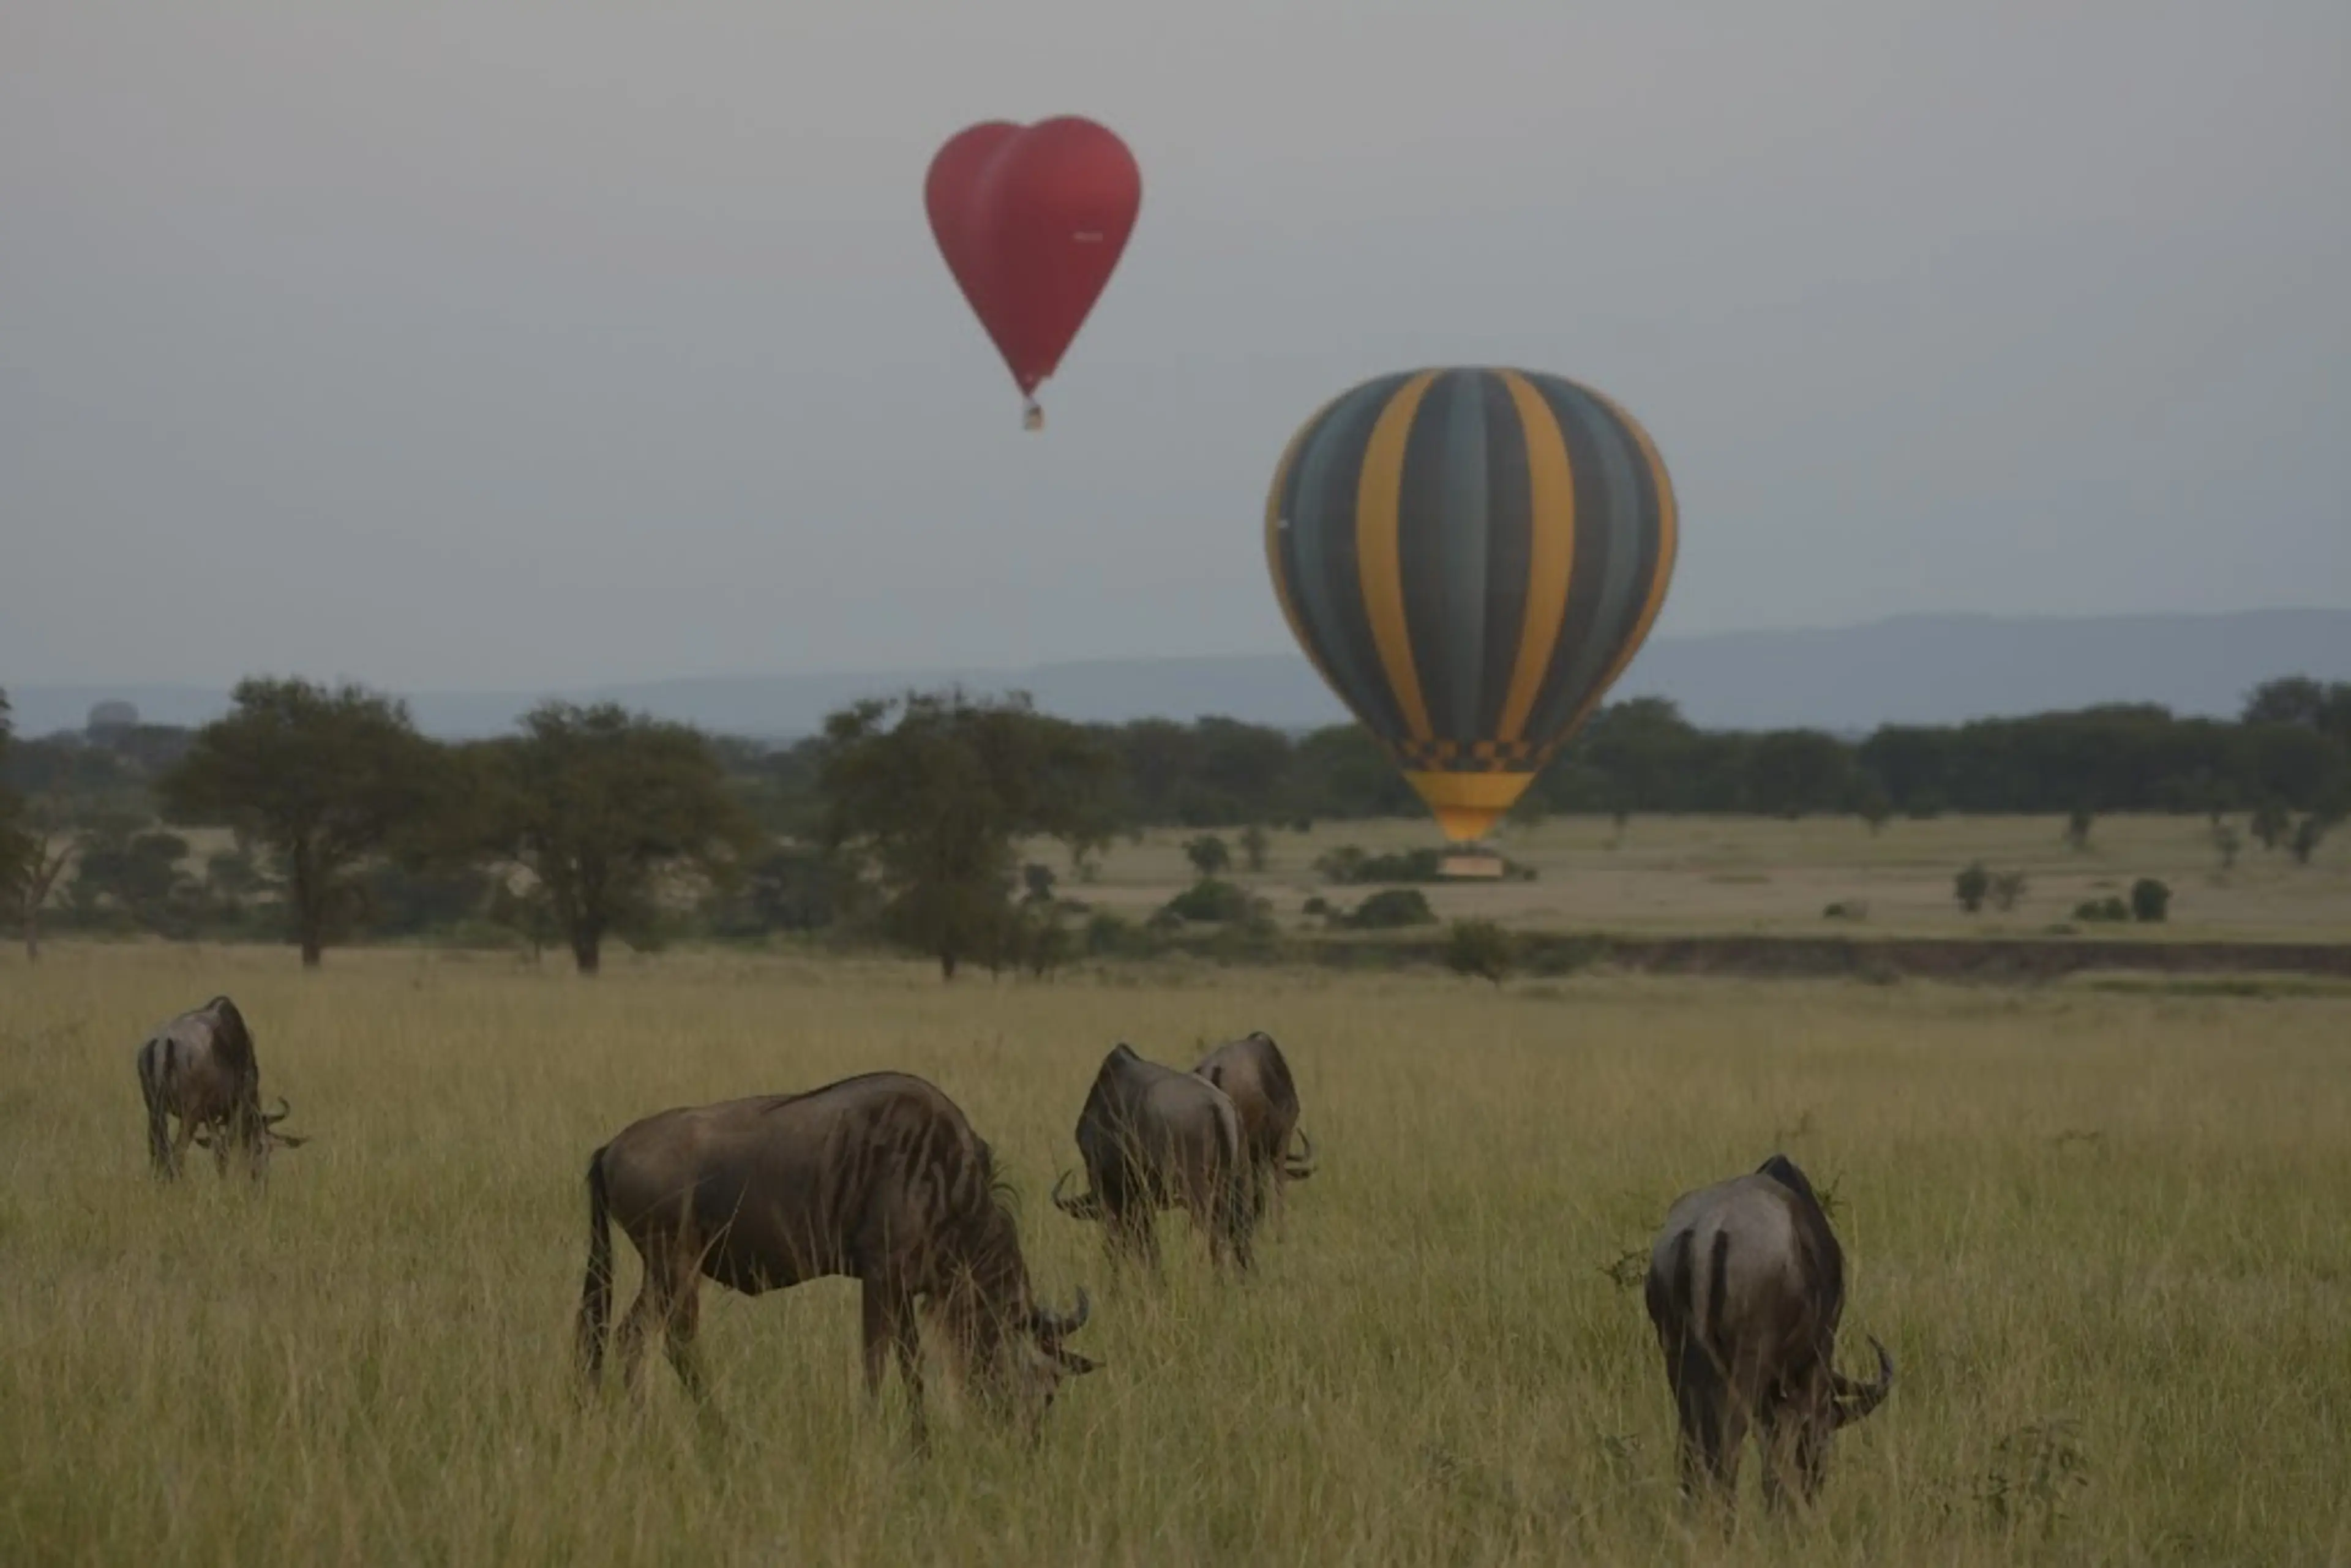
[1014, 1344]
[254, 1131]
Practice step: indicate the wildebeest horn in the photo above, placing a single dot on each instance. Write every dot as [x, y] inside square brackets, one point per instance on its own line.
[1056, 1324]
[1300, 1165]
[1066, 1205]
[1856, 1400]
[284, 1110]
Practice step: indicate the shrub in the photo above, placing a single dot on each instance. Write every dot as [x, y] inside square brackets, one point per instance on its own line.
[1391, 908]
[1207, 854]
[2150, 900]
[2006, 889]
[1256, 847]
[1969, 887]
[2077, 828]
[1846, 909]
[1341, 864]
[1318, 905]
[1210, 899]
[1479, 948]
[2109, 908]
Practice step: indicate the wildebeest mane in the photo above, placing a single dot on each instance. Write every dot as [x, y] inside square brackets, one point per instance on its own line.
[1827, 1258]
[777, 1101]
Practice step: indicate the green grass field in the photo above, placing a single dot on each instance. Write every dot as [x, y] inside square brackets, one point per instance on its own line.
[2104, 1235]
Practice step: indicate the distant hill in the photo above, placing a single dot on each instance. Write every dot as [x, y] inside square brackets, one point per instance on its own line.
[1926, 669]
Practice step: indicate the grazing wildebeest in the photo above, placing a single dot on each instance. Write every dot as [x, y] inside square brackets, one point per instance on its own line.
[1153, 1137]
[1254, 1077]
[877, 1177]
[1746, 1285]
[200, 1068]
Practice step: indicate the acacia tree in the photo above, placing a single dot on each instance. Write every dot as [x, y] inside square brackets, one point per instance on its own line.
[935, 791]
[14, 849]
[35, 855]
[598, 805]
[323, 779]
[38, 839]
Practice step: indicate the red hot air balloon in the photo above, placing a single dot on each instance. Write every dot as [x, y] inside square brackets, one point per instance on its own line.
[1031, 220]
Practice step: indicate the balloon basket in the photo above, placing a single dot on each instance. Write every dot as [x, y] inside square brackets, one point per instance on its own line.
[1471, 863]
[1032, 417]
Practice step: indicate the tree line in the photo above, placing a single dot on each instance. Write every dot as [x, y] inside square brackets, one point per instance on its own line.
[902, 817]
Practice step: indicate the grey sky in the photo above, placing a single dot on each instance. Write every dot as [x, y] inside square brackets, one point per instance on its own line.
[498, 344]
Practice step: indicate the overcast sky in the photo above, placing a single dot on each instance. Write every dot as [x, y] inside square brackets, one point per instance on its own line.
[487, 344]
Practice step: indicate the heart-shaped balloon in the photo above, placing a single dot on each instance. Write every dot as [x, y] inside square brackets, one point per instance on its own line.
[1031, 220]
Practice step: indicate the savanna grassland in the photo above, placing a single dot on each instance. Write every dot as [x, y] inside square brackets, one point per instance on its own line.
[2105, 1237]
[1718, 874]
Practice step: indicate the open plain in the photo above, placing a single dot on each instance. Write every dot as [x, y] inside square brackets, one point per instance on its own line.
[2103, 1234]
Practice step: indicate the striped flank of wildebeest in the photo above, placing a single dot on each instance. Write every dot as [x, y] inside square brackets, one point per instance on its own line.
[1471, 557]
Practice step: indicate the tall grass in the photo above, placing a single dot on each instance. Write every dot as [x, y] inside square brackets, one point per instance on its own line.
[2105, 1237]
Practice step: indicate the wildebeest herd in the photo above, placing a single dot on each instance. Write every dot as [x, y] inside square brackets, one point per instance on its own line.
[881, 1178]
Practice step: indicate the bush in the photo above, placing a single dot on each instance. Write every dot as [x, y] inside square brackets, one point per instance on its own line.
[2006, 889]
[1391, 908]
[2150, 900]
[1109, 936]
[1210, 899]
[1255, 847]
[2108, 908]
[2078, 822]
[1846, 909]
[1318, 905]
[1209, 854]
[1479, 948]
[1970, 886]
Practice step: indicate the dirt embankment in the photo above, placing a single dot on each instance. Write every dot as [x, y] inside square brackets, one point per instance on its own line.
[1997, 960]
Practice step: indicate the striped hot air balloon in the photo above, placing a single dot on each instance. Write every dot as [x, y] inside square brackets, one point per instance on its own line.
[1470, 557]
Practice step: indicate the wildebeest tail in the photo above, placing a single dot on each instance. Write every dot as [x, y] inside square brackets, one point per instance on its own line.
[1240, 1191]
[154, 1066]
[596, 1289]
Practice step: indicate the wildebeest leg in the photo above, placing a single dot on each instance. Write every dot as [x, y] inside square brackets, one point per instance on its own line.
[904, 1339]
[1134, 1237]
[1777, 1430]
[877, 1325]
[890, 1324]
[679, 1324]
[181, 1141]
[1239, 1203]
[1711, 1431]
[1738, 1402]
[629, 1339]
[162, 1158]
